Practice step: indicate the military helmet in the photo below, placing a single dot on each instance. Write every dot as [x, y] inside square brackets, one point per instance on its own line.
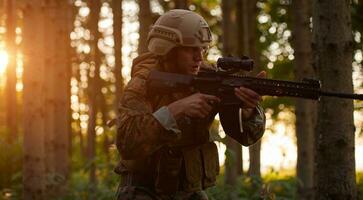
[178, 28]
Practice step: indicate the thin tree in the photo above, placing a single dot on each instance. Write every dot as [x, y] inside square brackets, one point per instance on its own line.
[93, 91]
[145, 20]
[305, 110]
[247, 16]
[117, 35]
[10, 88]
[72, 57]
[117, 69]
[233, 164]
[76, 60]
[181, 4]
[334, 139]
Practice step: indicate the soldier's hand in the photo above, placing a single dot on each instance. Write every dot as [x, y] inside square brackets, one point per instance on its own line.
[196, 105]
[249, 97]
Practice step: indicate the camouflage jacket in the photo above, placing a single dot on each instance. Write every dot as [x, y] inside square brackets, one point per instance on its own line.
[146, 147]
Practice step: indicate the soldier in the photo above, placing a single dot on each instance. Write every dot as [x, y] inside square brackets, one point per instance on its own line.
[164, 140]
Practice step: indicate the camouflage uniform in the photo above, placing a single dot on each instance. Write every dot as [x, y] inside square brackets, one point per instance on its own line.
[161, 163]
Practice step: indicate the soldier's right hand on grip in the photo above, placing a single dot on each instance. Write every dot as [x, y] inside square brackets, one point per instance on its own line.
[196, 105]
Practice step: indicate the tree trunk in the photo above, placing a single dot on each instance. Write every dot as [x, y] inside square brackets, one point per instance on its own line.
[334, 140]
[10, 87]
[61, 88]
[145, 20]
[254, 169]
[93, 93]
[247, 16]
[34, 109]
[75, 61]
[117, 35]
[49, 92]
[229, 27]
[56, 97]
[71, 15]
[233, 164]
[305, 109]
[106, 138]
[82, 142]
[181, 4]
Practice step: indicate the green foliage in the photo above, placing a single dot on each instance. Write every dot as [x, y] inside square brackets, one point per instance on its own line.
[10, 167]
[204, 8]
[357, 27]
[107, 180]
[357, 19]
[282, 70]
[272, 186]
[273, 44]
[79, 187]
[360, 185]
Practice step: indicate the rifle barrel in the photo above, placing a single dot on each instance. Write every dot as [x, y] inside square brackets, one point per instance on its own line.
[342, 95]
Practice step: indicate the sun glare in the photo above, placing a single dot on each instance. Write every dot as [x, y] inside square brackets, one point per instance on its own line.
[3, 61]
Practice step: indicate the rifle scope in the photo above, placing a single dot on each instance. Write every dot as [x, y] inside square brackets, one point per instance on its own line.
[235, 63]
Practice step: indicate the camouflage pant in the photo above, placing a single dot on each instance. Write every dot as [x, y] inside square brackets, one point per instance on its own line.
[139, 193]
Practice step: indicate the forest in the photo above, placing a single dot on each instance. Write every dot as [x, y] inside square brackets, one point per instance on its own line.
[64, 65]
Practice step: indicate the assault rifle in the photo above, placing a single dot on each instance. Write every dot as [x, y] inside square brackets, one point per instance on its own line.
[221, 83]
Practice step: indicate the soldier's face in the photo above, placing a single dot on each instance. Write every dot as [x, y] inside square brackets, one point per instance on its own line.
[189, 59]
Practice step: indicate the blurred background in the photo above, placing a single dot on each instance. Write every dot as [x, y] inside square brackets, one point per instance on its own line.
[63, 65]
